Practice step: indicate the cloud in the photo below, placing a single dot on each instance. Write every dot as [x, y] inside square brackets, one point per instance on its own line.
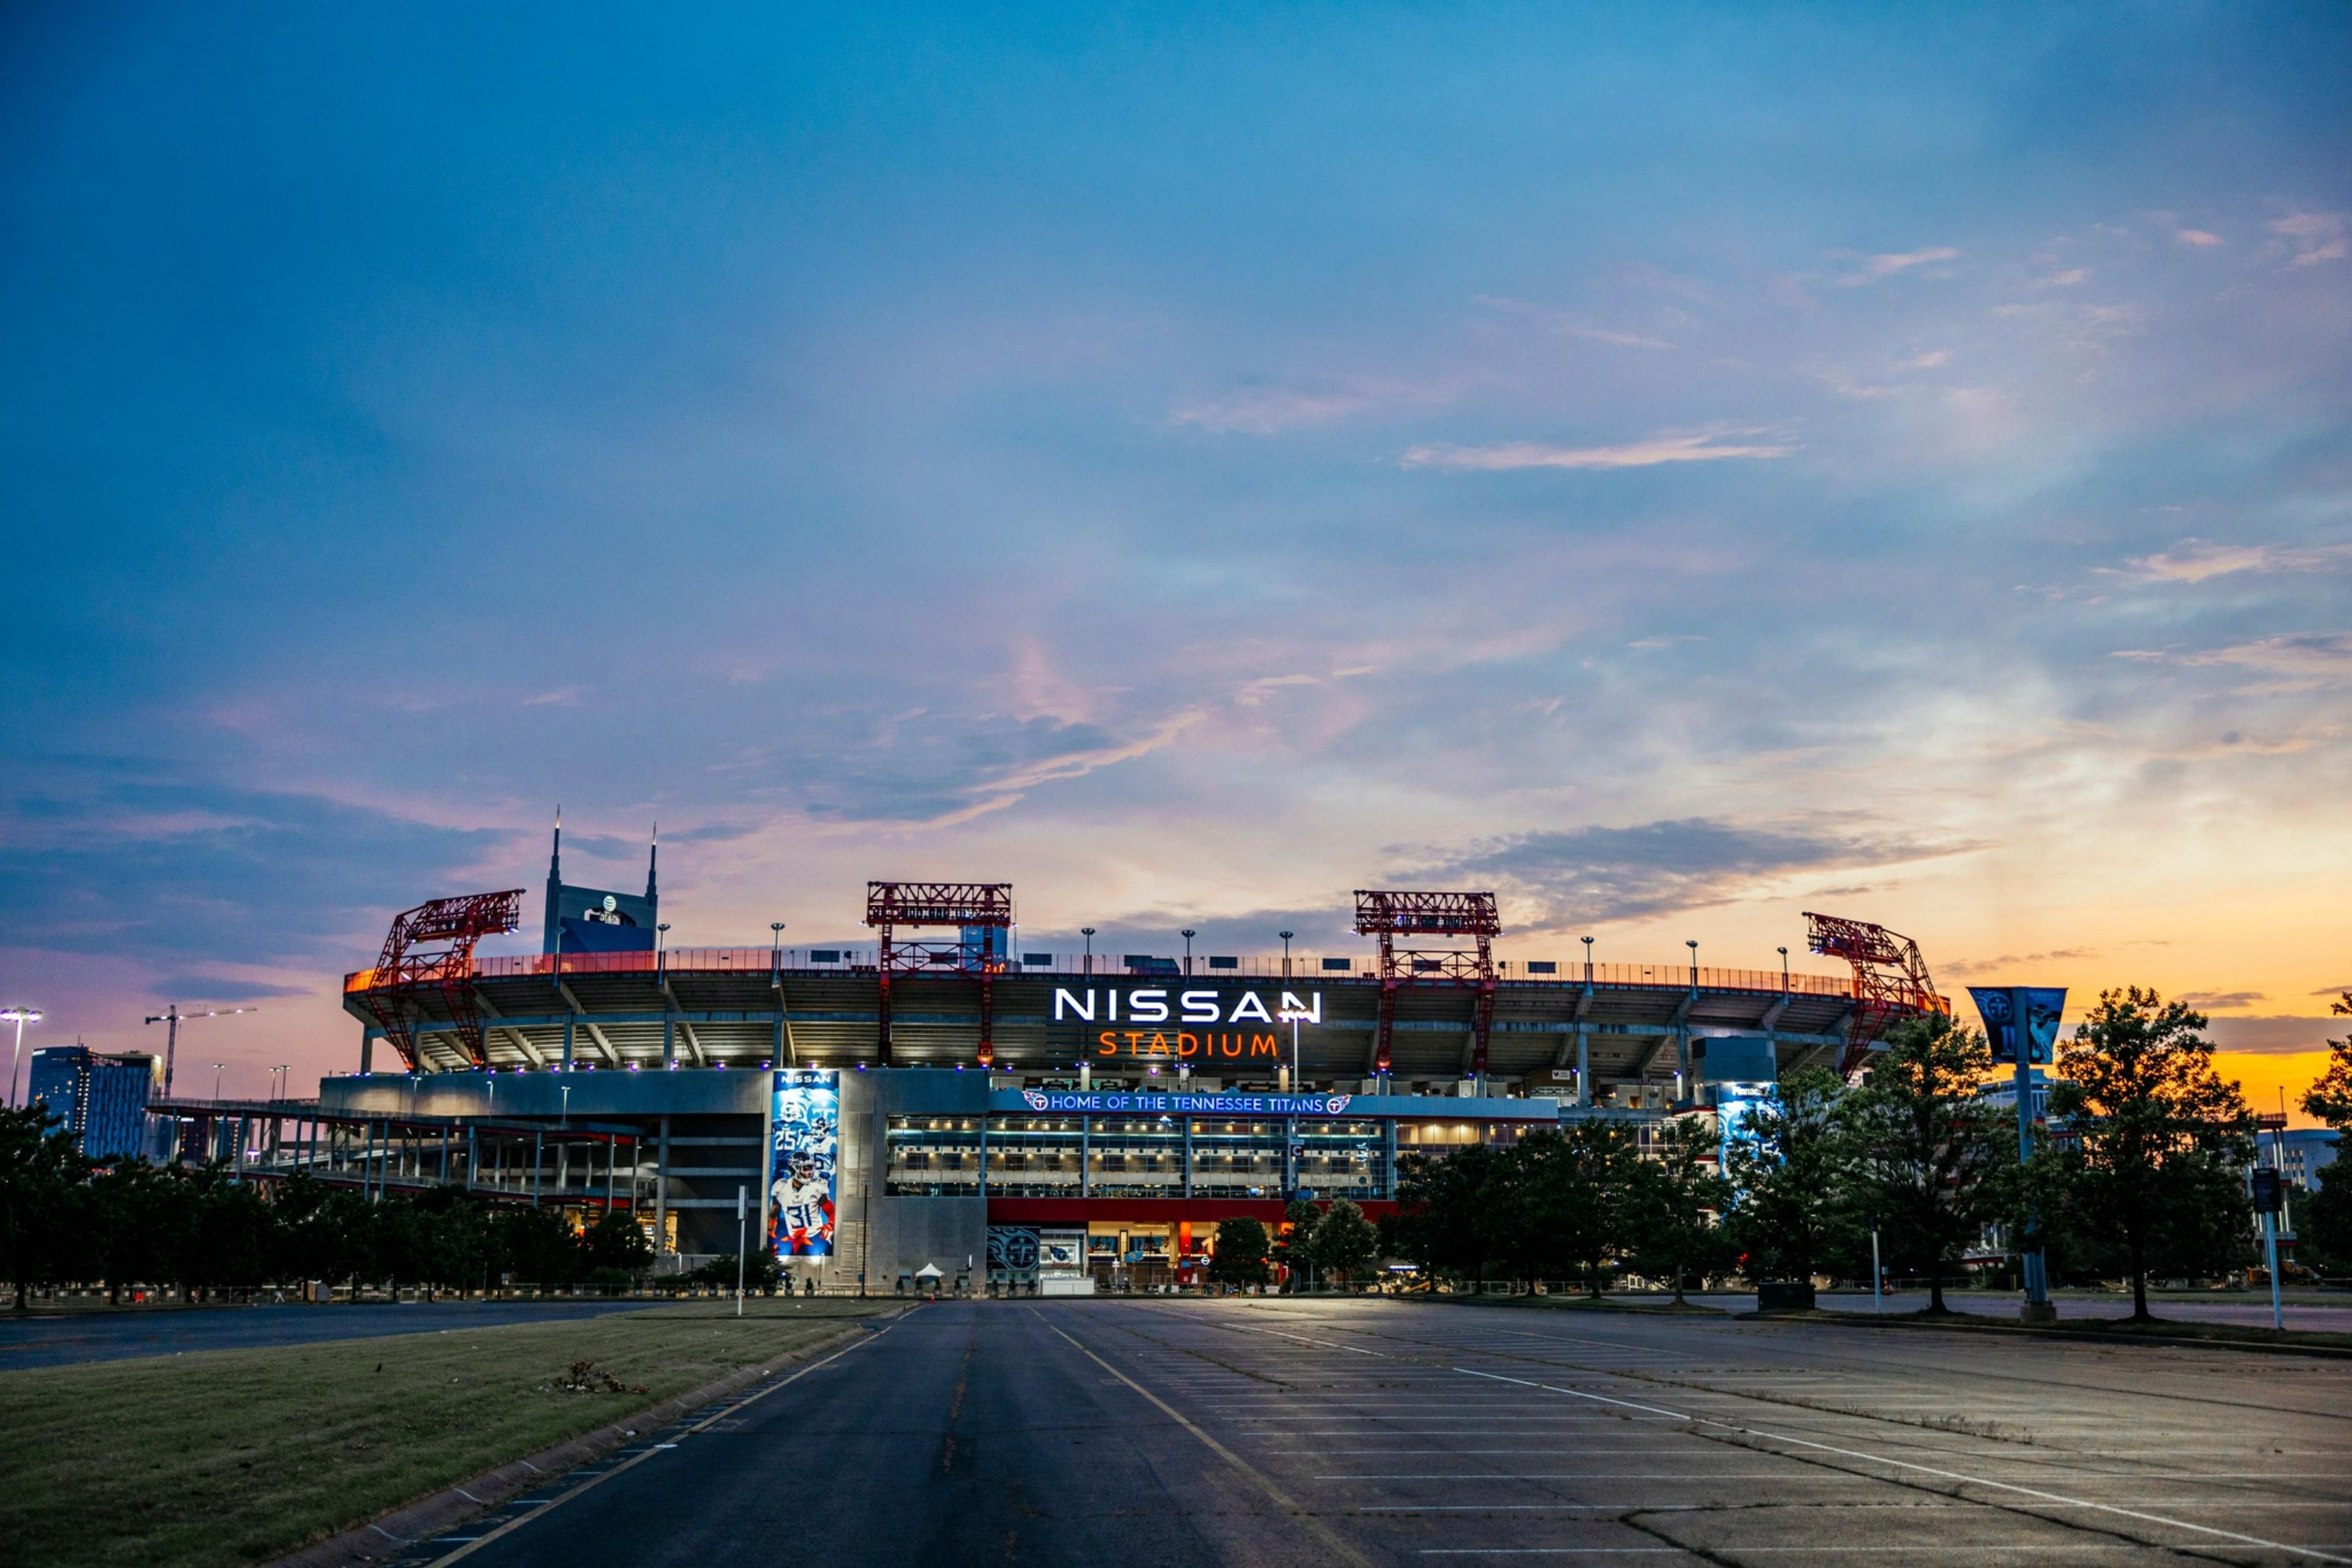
[186, 872]
[1894, 262]
[2298, 654]
[215, 988]
[2196, 236]
[2194, 560]
[2066, 279]
[564, 696]
[2273, 1033]
[2316, 237]
[1271, 410]
[1588, 875]
[1973, 968]
[1666, 446]
[1569, 326]
[2220, 1001]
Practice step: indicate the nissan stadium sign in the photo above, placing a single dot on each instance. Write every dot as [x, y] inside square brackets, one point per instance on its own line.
[1166, 1005]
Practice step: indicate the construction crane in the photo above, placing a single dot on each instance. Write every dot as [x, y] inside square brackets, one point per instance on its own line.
[1890, 978]
[171, 1018]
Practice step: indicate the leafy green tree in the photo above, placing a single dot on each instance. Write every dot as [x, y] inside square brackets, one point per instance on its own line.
[1932, 1160]
[2154, 1138]
[130, 1203]
[535, 1246]
[1241, 1254]
[2329, 1098]
[1792, 1215]
[1576, 1184]
[1674, 1204]
[1342, 1242]
[42, 1175]
[1290, 1250]
[617, 1244]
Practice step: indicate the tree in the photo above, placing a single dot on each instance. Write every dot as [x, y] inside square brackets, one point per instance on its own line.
[2329, 1098]
[1932, 1159]
[2153, 1138]
[1791, 1217]
[1298, 1217]
[617, 1244]
[1441, 1224]
[1343, 1241]
[1674, 1205]
[42, 1178]
[1576, 1181]
[1240, 1256]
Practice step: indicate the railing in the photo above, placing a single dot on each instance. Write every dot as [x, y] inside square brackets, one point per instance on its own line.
[1309, 968]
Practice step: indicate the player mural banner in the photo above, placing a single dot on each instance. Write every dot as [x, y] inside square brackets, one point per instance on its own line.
[804, 1151]
[2021, 1014]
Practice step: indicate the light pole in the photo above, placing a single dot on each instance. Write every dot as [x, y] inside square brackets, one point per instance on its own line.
[661, 935]
[742, 1241]
[20, 1016]
[1291, 1015]
[1693, 945]
[1189, 934]
[218, 1068]
[1088, 932]
[1285, 953]
[285, 1082]
[1784, 972]
[1588, 960]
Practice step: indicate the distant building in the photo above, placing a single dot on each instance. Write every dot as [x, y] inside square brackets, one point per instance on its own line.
[102, 1099]
[2002, 1093]
[2306, 1151]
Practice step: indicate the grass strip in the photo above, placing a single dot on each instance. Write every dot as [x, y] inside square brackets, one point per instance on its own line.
[226, 1457]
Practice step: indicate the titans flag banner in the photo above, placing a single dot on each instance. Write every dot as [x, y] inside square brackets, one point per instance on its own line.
[2012, 1014]
[804, 1151]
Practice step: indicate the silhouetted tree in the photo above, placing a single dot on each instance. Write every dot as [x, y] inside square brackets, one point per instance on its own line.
[1932, 1160]
[2153, 1140]
[1674, 1205]
[1792, 1177]
[1342, 1241]
[1241, 1255]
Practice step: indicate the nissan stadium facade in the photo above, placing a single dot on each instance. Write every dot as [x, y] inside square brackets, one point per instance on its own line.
[944, 1104]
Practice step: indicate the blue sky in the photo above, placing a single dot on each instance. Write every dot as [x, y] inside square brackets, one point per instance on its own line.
[1676, 466]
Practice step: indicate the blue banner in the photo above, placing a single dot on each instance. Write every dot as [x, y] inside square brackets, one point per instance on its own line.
[2012, 1014]
[804, 1151]
[1368, 1106]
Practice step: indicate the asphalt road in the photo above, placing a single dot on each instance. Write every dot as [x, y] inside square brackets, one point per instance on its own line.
[2253, 1311]
[1268, 1431]
[69, 1337]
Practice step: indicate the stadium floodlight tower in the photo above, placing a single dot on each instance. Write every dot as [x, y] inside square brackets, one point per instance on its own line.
[430, 950]
[1890, 979]
[982, 913]
[1389, 915]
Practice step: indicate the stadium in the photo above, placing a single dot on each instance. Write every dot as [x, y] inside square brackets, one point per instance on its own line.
[944, 1106]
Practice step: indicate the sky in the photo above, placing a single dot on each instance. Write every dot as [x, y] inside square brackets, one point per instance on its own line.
[1677, 466]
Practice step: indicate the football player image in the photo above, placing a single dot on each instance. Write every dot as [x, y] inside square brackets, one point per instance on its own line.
[803, 1206]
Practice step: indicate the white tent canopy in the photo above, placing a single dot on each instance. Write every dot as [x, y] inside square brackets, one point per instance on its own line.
[928, 1271]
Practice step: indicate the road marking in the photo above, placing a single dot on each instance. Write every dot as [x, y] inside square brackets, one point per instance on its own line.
[1313, 1526]
[1868, 1458]
[476, 1543]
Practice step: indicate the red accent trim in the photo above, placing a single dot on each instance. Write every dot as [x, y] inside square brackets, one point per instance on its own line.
[1155, 1211]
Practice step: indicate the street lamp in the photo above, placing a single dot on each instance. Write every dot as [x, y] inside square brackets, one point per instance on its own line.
[1784, 971]
[1693, 945]
[1088, 932]
[1285, 937]
[285, 1082]
[661, 932]
[20, 1016]
[1292, 1016]
[1588, 960]
[218, 1068]
[1189, 934]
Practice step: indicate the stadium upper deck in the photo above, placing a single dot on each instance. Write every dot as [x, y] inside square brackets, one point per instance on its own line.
[743, 1007]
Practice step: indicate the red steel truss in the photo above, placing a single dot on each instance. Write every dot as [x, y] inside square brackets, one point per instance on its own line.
[431, 948]
[1890, 978]
[1389, 915]
[985, 905]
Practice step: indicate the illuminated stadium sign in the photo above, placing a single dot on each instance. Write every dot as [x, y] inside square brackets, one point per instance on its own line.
[1060, 1103]
[1161, 1005]
[803, 1153]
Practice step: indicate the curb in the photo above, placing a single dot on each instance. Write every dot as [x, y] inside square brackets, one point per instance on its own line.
[387, 1534]
[2021, 1331]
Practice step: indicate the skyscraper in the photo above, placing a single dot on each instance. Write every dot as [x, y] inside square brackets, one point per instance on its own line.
[102, 1099]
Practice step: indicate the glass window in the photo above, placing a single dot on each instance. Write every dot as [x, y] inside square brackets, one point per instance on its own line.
[1033, 1156]
[933, 1156]
[1136, 1157]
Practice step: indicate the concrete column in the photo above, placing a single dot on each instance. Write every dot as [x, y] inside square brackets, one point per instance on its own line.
[1583, 1066]
[367, 1053]
[537, 1164]
[1086, 1156]
[1188, 1155]
[568, 1020]
[670, 1039]
[661, 1188]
